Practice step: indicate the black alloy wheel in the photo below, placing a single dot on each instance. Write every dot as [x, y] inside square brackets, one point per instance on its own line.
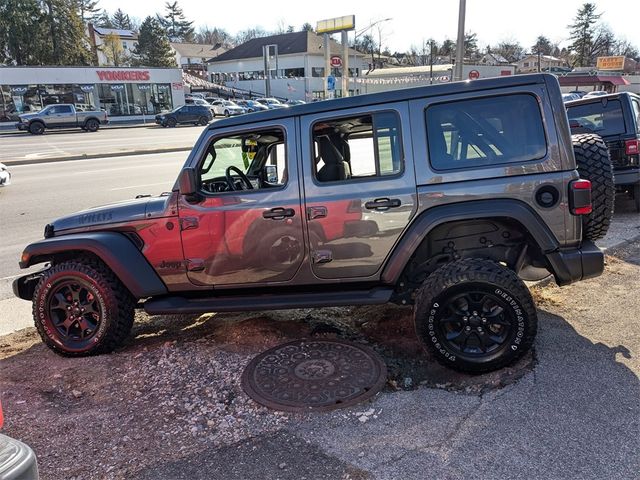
[81, 308]
[475, 315]
[74, 311]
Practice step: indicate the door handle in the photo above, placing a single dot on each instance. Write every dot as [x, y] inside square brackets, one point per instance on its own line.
[279, 213]
[383, 204]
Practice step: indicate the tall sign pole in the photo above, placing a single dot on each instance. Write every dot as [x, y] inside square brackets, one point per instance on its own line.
[345, 63]
[335, 25]
[267, 72]
[327, 63]
[460, 44]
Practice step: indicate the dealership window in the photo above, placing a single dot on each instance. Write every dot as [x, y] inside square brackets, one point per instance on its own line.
[317, 71]
[293, 72]
[357, 147]
[485, 131]
[124, 99]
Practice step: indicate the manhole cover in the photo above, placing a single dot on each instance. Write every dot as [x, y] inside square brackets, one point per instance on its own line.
[314, 375]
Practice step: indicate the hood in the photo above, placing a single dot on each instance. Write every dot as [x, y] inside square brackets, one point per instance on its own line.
[27, 116]
[120, 212]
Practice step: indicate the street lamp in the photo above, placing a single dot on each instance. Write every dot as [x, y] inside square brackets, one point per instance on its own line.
[364, 30]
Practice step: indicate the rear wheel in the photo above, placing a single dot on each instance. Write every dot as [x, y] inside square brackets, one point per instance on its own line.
[475, 316]
[594, 164]
[203, 121]
[81, 308]
[36, 128]
[226, 113]
[92, 125]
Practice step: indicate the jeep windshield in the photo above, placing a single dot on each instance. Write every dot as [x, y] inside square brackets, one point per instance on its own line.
[603, 118]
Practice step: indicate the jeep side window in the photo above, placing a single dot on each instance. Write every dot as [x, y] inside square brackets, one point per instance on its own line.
[358, 147]
[485, 131]
[260, 156]
[636, 112]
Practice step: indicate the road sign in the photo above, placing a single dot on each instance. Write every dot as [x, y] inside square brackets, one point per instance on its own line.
[336, 61]
[474, 75]
[331, 82]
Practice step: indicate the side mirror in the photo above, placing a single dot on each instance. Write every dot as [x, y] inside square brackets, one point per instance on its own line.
[271, 173]
[188, 182]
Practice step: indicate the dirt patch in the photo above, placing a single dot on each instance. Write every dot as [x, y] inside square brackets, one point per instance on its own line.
[175, 386]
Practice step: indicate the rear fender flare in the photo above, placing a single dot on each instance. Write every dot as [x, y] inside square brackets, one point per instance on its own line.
[430, 219]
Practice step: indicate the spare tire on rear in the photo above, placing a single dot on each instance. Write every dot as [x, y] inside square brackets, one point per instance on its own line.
[594, 164]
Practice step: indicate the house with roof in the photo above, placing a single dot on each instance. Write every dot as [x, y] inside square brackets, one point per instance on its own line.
[296, 66]
[97, 36]
[529, 63]
[493, 59]
[193, 56]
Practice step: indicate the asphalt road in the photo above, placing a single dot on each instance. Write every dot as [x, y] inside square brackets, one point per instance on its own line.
[42, 192]
[22, 146]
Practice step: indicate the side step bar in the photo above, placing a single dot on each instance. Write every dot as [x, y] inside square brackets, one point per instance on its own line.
[243, 303]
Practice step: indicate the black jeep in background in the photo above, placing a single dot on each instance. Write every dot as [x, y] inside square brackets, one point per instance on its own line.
[616, 118]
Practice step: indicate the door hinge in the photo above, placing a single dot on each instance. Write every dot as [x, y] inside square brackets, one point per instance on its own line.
[195, 264]
[322, 256]
[188, 223]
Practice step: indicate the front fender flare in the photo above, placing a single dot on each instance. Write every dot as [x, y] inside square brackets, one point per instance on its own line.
[113, 248]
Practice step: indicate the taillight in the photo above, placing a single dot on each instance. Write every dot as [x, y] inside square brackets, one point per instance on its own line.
[580, 197]
[631, 147]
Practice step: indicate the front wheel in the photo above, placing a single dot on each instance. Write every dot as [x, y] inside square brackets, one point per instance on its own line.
[81, 308]
[36, 128]
[475, 316]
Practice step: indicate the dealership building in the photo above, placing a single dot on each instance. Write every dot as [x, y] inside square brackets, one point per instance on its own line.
[123, 92]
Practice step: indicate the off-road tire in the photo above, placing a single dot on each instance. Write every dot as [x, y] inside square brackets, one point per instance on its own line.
[36, 128]
[172, 122]
[203, 121]
[115, 303]
[462, 279]
[594, 164]
[92, 125]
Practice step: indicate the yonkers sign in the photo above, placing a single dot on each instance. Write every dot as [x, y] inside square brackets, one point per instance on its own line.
[120, 75]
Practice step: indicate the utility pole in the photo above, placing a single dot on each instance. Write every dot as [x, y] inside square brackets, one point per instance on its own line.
[345, 63]
[327, 63]
[460, 45]
[431, 62]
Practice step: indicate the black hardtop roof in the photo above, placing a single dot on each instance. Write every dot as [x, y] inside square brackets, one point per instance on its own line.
[387, 97]
[600, 98]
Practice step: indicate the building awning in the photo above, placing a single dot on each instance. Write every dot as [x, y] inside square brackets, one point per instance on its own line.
[584, 80]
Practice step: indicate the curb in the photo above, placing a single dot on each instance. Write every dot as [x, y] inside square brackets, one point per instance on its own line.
[33, 161]
[16, 132]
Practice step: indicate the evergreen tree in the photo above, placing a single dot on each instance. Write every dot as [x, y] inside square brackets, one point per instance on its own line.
[153, 48]
[103, 20]
[582, 33]
[121, 20]
[21, 38]
[307, 27]
[67, 43]
[543, 46]
[88, 10]
[178, 28]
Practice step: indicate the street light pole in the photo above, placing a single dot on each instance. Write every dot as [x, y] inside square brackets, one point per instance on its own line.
[360, 32]
[460, 45]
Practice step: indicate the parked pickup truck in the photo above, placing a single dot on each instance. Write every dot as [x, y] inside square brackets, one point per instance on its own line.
[61, 115]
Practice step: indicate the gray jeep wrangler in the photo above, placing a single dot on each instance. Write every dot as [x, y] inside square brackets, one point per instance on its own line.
[446, 197]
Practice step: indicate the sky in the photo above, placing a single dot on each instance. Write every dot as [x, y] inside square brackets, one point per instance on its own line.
[411, 21]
